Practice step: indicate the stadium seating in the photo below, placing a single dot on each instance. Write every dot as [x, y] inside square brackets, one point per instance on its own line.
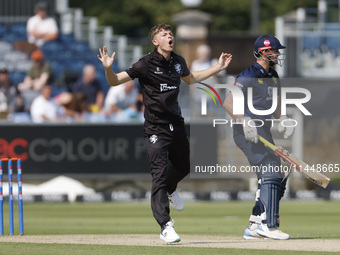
[19, 29]
[95, 118]
[13, 37]
[333, 42]
[9, 65]
[312, 42]
[17, 77]
[14, 56]
[3, 30]
[19, 117]
[23, 65]
[52, 47]
[15, 61]
[76, 65]
[67, 39]
[66, 55]
[4, 48]
[79, 48]
[57, 67]
[56, 90]
[100, 76]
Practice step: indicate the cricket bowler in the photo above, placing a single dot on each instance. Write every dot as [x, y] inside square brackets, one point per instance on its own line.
[160, 73]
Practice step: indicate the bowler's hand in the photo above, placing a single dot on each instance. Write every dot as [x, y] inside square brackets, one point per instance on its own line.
[224, 60]
[106, 60]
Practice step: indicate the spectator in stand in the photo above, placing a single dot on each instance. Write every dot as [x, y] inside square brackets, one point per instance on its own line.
[121, 102]
[65, 113]
[90, 87]
[10, 98]
[40, 27]
[80, 105]
[204, 61]
[38, 76]
[43, 108]
[121, 98]
[72, 108]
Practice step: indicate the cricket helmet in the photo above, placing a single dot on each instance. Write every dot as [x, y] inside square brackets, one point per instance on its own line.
[264, 45]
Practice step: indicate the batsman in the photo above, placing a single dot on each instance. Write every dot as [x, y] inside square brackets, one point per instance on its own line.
[263, 80]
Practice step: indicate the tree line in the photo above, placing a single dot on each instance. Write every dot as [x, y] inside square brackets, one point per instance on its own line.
[134, 18]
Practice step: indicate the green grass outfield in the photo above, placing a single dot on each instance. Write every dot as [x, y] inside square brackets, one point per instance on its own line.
[302, 220]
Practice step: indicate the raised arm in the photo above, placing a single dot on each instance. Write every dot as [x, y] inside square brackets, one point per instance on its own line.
[107, 61]
[197, 76]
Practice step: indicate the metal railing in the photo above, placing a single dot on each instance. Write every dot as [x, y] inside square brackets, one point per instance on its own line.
[18, 11]
[73, 21]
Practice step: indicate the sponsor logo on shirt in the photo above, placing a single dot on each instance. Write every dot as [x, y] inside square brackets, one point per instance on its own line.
[165, 87]
[158, 71]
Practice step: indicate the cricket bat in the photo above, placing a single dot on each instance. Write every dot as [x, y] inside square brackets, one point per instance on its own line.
[311, 174]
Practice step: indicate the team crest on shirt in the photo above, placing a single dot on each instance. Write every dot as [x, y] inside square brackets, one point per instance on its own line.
[153, 139]
[178, 68]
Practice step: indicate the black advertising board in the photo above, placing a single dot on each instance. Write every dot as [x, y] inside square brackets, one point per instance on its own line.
[77, 149]
[73, 149]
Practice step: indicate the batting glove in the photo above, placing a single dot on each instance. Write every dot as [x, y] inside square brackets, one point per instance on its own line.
[249, 129]
[288, 129]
